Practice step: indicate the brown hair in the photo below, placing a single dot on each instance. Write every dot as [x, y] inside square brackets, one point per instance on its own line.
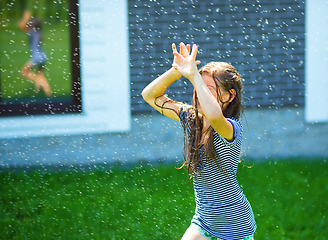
[226, 78]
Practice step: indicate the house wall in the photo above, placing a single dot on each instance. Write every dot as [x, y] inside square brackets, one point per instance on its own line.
[268, 134]
[265, 41]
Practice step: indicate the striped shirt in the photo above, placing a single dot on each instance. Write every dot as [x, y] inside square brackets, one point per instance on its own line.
[222, 209]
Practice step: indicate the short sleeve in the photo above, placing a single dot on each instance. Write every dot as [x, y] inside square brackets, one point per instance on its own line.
[237, 127]
[237, 131]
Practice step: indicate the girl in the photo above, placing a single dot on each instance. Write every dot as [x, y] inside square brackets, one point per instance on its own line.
[212, 143]
[38, 59]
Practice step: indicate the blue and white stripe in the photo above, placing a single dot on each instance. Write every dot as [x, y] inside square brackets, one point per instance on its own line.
[222, 209]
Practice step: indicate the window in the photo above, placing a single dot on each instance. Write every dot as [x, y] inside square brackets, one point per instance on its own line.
[105, 76]
[39, 56]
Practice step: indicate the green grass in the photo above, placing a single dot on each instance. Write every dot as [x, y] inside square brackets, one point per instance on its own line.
[289, 199]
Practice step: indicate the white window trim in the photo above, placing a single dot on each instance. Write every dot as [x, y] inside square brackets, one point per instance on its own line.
[105, 79]
[316, 60]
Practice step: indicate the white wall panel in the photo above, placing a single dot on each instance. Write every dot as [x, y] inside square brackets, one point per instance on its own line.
[105, 77]
[316, 69]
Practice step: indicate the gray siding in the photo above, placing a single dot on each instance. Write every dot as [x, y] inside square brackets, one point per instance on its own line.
[268, 134]
[264, 41]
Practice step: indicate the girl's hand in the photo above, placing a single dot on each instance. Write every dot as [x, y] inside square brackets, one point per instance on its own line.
[184, 51]
[184, 62]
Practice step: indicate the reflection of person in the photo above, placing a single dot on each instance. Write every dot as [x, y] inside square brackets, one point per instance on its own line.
[213, 138]
[38, 59]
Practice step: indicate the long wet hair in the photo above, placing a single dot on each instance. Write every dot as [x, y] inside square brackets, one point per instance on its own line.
[226, 78]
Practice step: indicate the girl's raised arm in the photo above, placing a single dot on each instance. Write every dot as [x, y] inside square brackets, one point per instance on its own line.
[153, 93]
[209, 103]
[22, 24]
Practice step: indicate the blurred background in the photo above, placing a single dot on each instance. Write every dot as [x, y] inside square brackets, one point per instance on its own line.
[125, 45]
[15, 49]
[279, 48]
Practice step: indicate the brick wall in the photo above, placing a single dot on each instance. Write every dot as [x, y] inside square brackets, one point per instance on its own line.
[264, 40]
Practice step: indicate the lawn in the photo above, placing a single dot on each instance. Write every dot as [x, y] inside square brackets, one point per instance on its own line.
[289, 199]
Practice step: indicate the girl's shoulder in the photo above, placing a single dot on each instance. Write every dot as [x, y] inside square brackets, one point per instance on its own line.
[236, 124]
[237, 132]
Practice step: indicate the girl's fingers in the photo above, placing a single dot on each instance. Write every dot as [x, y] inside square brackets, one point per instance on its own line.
[188, 48]
[174, 48]
[194, 51]
[184, 49]
[185, 52]
[179, 56]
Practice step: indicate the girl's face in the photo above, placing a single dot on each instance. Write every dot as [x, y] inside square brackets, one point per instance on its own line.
[221, 95]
